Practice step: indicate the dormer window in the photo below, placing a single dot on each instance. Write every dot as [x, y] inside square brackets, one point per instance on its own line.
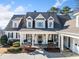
[40, 21]
[50, 22]
[29, 22]
[29, 18]
[29, 25]
[15, 24]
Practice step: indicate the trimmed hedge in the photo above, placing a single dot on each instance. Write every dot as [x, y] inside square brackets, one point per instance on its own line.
[16, 44]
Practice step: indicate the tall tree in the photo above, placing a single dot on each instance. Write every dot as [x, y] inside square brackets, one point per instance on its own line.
[54, 9]
[66, 10]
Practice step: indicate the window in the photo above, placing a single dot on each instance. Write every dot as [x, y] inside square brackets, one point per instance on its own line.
[17, 35]
[29, 24]
[50, 24]
[15, 24]
[10, 35]
[40, 24]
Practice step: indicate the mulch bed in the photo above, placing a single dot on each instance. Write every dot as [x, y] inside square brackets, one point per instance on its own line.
[28, 49]
[52, 49]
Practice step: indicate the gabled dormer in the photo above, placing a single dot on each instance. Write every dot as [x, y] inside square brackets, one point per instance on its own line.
[16, 22]
[40, 21]
[29, 22]
[50, 22]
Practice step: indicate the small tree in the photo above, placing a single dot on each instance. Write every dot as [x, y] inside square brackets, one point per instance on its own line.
[3, 40]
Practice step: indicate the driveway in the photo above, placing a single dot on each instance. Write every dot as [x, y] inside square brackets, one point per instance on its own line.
[39, 54]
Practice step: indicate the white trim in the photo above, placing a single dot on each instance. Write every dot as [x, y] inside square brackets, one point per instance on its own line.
[39, 16]
[29, 17]
[50, 17]
[48, 22]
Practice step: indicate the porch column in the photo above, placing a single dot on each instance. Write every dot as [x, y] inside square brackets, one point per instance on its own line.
[59, 37]
[21, 39]
[33, 39]
[46, 38]
[62, 46]
[67, 41]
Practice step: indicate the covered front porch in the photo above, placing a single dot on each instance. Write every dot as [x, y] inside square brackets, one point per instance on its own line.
[39, 39]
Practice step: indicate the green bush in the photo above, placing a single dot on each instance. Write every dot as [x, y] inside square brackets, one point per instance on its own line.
[10, 42]
[3, 40]
[16, 44]
[14, 50]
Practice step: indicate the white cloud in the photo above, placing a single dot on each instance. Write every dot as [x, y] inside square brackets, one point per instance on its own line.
[20, 10]
[6, 13]
[59, 3]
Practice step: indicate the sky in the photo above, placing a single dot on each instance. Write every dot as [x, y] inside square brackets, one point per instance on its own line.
[10, 7]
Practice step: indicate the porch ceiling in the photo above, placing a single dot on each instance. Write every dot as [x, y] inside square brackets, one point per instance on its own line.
[37, 31]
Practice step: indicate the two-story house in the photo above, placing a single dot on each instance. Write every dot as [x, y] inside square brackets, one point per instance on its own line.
[43, 28]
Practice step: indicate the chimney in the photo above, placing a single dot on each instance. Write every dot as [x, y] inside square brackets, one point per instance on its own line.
[35, 11]
[77, 19]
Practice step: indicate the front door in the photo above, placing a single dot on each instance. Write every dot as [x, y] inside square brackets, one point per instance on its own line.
[40, 39]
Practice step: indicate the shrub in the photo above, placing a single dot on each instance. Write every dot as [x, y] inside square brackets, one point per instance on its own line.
[14, 50]
[10, 42]
[3, 40]
[16, 44]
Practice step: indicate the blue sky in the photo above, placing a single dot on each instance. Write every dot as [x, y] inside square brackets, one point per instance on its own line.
[39, 5]
[10, 7]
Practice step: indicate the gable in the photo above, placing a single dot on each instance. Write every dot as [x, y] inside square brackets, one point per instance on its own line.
[40, 16]
[29, 18]
[50, 18]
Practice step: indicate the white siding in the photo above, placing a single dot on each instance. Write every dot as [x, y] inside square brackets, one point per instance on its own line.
[14, 34]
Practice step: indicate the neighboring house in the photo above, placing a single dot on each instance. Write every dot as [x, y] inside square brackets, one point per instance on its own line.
[43, 28]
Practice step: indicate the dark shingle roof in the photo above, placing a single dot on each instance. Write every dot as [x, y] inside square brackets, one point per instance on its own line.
[58, 20]
[9, 26]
